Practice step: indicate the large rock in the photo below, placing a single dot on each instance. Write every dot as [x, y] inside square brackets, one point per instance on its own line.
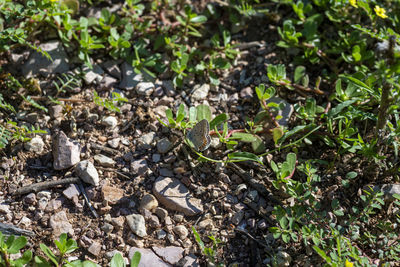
[38, 63]
[170, 254]
[148, 258]
[66, 153]
[175, 196]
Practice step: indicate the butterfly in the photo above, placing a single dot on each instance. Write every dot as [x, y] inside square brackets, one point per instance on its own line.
[199, 136]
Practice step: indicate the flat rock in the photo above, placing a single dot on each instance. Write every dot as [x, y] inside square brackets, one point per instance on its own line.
[145, 88]
[169, 254]
[139, 167]
[112, 194]
[95, 248]
[35, 145]
[38, 63]
[148, 258]
[189, 261]
[148, 202]
[66, 153]
[93, 75]
[175, 196]
[60, 224]
[72, 191]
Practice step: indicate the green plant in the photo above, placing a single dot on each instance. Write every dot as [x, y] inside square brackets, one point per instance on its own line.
[13, 246]
[209, 252]
[110, 104]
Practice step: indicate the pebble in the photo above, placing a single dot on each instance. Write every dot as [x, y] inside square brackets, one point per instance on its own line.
[35, 145]
[56, 111]
[111, 194]
[137, 224]
[104, 160]
[66, 153]
[145, 88]
[139, 167]
[87, 172]
[181, 231]
[110, 122]
[148, 202]
[200, 92]
[145, 141]
[60, 224]
[161, 234]
[30, 199]
[156, 158]
[164, 145]
[95, 248]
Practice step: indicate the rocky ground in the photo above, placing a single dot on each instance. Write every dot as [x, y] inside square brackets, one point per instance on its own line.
[145, 187]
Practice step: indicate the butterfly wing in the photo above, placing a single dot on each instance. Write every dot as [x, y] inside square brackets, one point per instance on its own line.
[199, 135]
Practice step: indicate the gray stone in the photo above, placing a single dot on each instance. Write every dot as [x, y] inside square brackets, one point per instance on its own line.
[246, 93]
[137, 224]
[200, 92]
[164, 145]
[30, 199]
[38, 63]
[169, 88]
[110, 122]
[35, 145]
[161, 213]
[283, 259]
[189, 261]
[129, 78]
[237, 217]
[87, 172]
[66, 153]
[156, 158]
[112, 68]
[104, 160]
[206, 224]
[56, 111]
[107, 228]
[145, 88]
[95, 248]
[148, 202]
[171, 254]
[166, 172]
[175, 196]
[60, 224]
[148, 258]
[146, 141]
[54, 205]
[139, 167]
[92, 75]
[285, 112]
[161, 234]
[72, 191]
[181, 231]
[114, 143]
[108, 82]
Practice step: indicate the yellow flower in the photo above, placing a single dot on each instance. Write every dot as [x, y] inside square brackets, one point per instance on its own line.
[353, 3]
[381, 12]
[348, 264]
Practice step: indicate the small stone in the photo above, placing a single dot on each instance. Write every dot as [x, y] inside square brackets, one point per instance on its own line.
[189, 261]
[153, 221]
[112, 194]
[107, 228]
[237, 218]
[60, 224]
[118, 222]
[66, 153]
[114, 143]
[156, 158]
[145, 141]
[175, 196]
[35, 145]
[72, 191]
[87, 172]
[110, 122]
[206, 224]
[54, 205]
[166, 172]
[178, 218]
[181, 231]
[148, 202]
[161, 213]
[283, 259]
[246, 93]
[112, 68]
[92, 75]
[161, 234]
[169, 87]
[164, 145]
[30, 199]
[56, 111]
[104, 160]
[253, 195]
[137, 224]
[145, 88]
[139, 167]
[200, 92]
[95, 248]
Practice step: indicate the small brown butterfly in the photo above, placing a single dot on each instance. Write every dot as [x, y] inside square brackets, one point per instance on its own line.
[199, 135]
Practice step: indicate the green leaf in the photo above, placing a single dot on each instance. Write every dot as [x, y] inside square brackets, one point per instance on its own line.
[117, 261]
[170, 117]
[243, 156]
[336, 110]
[358, 83]
[46, 250]
[181, 113]
[203, 112]
[299, 73]
[192, 114]
[136, 259]
[351, 175]
[258, 145]
[244, 137]
[17, 244]
[199, 19]
[41, 262]
[277, 133]
[218, 120]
